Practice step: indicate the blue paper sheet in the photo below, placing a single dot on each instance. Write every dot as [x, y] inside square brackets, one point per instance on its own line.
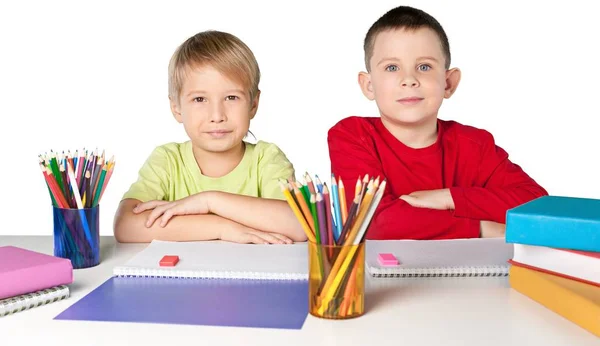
[214, 302]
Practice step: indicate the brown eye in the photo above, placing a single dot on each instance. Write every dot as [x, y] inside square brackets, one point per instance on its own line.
[199, 99]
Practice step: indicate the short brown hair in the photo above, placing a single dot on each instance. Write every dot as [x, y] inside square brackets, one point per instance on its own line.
[405, 17]
[222, 51]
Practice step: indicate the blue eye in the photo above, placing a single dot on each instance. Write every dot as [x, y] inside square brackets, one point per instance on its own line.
[199, 99]
[424, 67]
[392, 68]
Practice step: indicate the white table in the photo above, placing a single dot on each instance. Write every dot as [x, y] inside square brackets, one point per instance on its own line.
[432, 311]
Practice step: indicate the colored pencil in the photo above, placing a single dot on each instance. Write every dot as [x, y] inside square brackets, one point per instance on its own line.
[63, 190]
[328, 215]
[322, 217]
[338, 271]
[297, 212]
[343, 206]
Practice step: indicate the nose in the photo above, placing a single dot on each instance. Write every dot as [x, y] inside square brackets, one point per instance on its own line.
[409, 80]
[217, 113]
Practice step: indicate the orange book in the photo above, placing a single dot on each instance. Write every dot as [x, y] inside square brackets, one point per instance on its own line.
[574, 300]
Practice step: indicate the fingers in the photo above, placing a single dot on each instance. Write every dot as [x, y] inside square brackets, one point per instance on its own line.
[147, 206]
[286, 240]
[168, 214]
[158, 211]
[253, 239]
[410, 200]
[269, 238]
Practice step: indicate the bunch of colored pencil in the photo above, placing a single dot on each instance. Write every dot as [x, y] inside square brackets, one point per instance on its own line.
[76, 181]
[76, 184]
[328, 222]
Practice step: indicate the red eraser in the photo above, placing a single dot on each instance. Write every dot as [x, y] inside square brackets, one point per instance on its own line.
[387, 259]
[169, 261]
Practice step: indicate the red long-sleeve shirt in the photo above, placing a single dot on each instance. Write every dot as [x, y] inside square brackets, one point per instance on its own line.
[483, 182]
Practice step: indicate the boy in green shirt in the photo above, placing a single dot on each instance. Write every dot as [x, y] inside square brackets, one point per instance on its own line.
[215, 186]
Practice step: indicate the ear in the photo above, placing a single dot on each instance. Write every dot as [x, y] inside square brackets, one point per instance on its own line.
[452, 80]
[364, 80]
[176, 110]
[254, 105]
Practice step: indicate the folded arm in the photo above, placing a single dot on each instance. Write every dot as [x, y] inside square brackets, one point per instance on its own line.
[130, 227]
[502, 185]
[352, 157]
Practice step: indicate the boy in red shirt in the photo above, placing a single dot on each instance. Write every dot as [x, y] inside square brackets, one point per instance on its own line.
[444, 179]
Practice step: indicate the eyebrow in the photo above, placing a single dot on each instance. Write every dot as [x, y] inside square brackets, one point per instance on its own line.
[419, 58]
[240, 91]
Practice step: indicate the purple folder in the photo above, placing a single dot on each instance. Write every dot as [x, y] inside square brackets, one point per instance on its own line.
[213, 302]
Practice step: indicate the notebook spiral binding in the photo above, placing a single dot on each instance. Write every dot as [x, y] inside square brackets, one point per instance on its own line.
[479, 271]
[32, 300]
[189, 274]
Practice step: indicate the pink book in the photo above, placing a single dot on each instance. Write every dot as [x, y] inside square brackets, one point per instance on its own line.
[24, 271]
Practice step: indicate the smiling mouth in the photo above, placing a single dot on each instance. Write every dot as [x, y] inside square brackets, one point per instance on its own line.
[218, 133]
[410, 100]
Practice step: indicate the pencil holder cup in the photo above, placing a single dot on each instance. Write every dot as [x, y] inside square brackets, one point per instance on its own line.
[336, 277]
[77, 236]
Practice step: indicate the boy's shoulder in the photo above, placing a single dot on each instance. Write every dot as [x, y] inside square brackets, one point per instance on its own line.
[355, 124]
[262, 146]
[456, 131]
[171, 150]
[262, 150]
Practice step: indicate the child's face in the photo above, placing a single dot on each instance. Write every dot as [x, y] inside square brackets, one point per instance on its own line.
[408, 79]
[215, 110]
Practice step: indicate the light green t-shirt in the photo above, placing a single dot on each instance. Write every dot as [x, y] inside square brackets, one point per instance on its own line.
[171, 173]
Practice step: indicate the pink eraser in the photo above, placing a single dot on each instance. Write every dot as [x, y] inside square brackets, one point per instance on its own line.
[387, 259]
[169, 261]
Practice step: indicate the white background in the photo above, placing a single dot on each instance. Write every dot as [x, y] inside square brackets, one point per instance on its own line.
[95, 74]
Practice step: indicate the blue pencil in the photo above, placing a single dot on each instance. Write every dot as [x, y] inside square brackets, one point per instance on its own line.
[336, 207]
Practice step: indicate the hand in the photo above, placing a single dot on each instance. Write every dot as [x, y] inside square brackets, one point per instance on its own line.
[432, 199]
[194, 204]
[245, 235]
[491, 229]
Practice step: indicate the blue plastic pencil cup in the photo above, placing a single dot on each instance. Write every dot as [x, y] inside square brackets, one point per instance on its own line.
[77, 235]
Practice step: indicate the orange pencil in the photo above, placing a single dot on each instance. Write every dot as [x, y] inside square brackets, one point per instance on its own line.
[343, 206]
[304, 207]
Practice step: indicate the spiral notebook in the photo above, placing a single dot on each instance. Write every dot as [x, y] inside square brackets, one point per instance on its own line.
[33, 300]
[220, 260]
[441, 258]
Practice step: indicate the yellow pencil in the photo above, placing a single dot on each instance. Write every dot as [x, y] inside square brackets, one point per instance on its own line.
[297, 212]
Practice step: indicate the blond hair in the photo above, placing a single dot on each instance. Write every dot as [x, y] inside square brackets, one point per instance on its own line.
[223, 51]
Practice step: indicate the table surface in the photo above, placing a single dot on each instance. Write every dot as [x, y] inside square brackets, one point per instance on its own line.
[417, 311]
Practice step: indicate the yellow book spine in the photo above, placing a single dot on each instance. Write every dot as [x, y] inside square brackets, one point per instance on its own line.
[576, 301]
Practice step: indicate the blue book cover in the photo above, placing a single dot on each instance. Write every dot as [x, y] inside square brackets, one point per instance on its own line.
[556, 221]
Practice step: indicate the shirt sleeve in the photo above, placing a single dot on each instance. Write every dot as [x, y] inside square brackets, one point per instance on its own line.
[153, 177]
[352, 154]
[272, 166]
[501, 185]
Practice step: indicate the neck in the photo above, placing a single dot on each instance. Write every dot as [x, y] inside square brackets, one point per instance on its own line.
[416, 136]
[218, 164]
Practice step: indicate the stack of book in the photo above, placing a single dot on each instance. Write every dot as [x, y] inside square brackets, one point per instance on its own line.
[556, 259]
[29, 279]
